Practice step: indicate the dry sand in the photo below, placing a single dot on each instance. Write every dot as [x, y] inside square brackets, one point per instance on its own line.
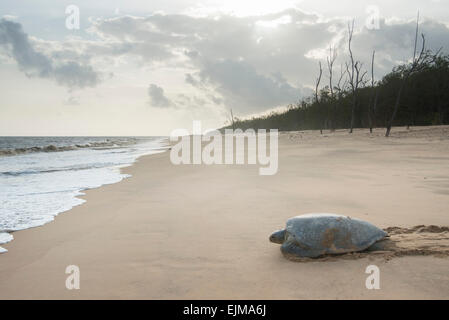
[179, 232]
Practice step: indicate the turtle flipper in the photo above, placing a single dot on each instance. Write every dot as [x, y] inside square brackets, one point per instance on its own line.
[382, 245]
[292, 250]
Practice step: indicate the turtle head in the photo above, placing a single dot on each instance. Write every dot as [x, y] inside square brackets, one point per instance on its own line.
[278, 236]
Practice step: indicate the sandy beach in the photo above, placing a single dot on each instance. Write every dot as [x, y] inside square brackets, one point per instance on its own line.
[201, 232]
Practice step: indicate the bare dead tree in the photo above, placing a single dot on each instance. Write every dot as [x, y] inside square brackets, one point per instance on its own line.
[351, 72]
[340, 88]
[355, 74]
[373, 103]
[419, 63]
[317, 85]
[330, 66]
[232, 120]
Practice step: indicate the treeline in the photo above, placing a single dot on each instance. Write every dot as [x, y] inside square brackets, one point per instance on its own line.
[425, 101]
[413, 94]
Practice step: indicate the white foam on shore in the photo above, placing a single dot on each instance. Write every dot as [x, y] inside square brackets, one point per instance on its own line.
[36, 187]
[5, 238]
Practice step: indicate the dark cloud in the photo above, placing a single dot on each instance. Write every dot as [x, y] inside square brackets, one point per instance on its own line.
[191, 80]
[36, 64]
[243, 88]
[158, 98]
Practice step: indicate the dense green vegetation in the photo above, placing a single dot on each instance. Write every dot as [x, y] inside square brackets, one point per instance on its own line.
[424, 101]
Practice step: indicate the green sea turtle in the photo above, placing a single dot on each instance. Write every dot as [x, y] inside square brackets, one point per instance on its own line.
[314, 235]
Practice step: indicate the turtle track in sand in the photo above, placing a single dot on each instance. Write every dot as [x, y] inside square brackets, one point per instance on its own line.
[415, 241]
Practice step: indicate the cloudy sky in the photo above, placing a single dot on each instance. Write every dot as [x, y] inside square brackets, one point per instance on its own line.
[148, 67]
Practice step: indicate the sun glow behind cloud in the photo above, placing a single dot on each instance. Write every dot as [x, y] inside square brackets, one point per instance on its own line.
[274, 23]
[241, 8]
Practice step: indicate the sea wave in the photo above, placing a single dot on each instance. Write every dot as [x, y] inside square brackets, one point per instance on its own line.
[35, 187]
[53, 148]
[51, 170]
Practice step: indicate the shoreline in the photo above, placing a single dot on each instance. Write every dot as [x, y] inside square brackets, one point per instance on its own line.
[201, 232]
[77, 195]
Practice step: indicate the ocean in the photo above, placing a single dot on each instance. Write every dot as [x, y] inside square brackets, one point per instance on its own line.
[41, 177]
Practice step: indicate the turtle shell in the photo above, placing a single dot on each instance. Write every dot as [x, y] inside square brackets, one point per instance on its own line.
[318, 234]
